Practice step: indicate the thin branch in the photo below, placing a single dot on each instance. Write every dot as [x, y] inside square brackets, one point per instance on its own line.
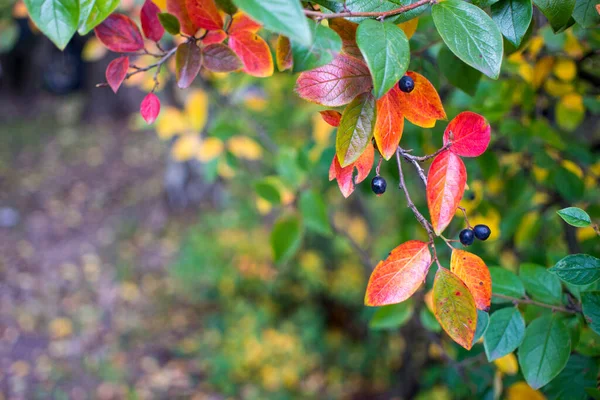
[414, 161]
[381, 15]
[535, 303]
[464, 211]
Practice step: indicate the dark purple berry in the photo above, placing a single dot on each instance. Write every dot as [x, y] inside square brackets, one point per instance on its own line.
[378, 185]
[466, 237]
[482, 232]
[406, 84]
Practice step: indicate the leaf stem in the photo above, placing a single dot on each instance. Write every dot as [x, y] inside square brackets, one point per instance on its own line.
[381, 15]
[527, 300]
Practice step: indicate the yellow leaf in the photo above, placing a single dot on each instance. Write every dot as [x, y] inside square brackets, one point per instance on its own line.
[585, 233]
[540, 198]
[256, 102]
[574, 168]
[522, 391]
[196, 109]
[524, 232]
[535, 45]
[557, 88]
[409, 27]
[170, 122]
[321, 130]
[244, 147]
[565, 69]
[185, 147]
[507, 364]
[540, 174]
[224, 170]
[93, 50]
[541, 70]
[263, 206]
[509, 260]
[526, 72]
[210, 148]
[570, 111]
[572, 46]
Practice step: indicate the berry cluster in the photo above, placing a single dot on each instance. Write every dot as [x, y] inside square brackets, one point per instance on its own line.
[481, 232]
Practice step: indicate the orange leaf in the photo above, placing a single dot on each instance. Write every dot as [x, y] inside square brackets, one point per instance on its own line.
[283, 53]
[178, 9]
[344, 175]
[445, 187]
[470, 134]
[204, 14]
[474, 273]
[213, 37]
[254, 53]
[399, 276]
[332, 117]
[389, 125]
[242, 22]
[454, 307]
[422, 106]
[347, 32]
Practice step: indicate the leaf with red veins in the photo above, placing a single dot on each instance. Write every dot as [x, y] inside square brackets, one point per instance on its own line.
[390, 123]
[422, 106]
[445, 187]
[347, 32]
[151, 25]
[116, 72]
[475, 274]
[212, 37]
[398, 277]
[344, 175]
[336, 83]
[242, 22]
[469, 133]
[254, 53]
[204, 14]
[150, 108]
[332, 117]
[179, 9]
[188, 61]
[219, 58]
[119, 34]
[283, 54]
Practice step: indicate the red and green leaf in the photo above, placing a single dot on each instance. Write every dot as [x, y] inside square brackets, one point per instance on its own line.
[188, 60]
[119, 34]
[283, 54]
[356, 129]
[332, 117]
[116, 72]
[389, 125]
[151, 25]
[204, 14]
[445, 187]
[150, 108]
[399, 276]
[423, 105]
[454, 307]
[474, 273]
[254, 53]
[336, 83]
[344, 176]
[347, 32]
[179, 9]
[219, 58]
[469, 133]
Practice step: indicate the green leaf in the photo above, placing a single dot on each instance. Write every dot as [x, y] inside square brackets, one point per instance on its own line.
[356, 129]
[575, 216]
[593, 392]
[227, 6]
[483, 321]
[558, 12]
[505, 283]
[590, 302]
[93, 12]
[513, 18]
[288, 167]
[57, 19]
[266, 189]
[578, 269]
[393, 316]
[281, 16]
[545, 350]
[585, 13]
[326, 44]
[428, 320]
[314, 212]
[569, 185]
[286, 238]
[579, 374]
[589, 343]
[170, 23]
[457, 72]
[471, 34]
[504, 334]
[541, 284]
[484, 3]
[386, 50]
[9, 34]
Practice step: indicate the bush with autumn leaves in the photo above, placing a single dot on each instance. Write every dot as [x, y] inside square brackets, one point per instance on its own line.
[351, 56]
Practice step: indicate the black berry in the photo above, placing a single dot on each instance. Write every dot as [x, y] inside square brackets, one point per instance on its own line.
[406, 84]
[466, 237]
[482, 232]
[378, 185]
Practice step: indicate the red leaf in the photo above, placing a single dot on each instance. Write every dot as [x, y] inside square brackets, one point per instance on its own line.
[347, 32]
[188, 60]
[399, 276]
[283, 54]
[422, 106]
[254, 53]
[119, 34]
[475, 274]
[332, 117]
[204, 14]
[150, 108]
[214, 37]
[336, 83]
[470, 134]
[116, 72]
[389, 125]
[178, 9]
[445, 187]
[150, 23]
[344, 175]
[219, 58]
[242, 22]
